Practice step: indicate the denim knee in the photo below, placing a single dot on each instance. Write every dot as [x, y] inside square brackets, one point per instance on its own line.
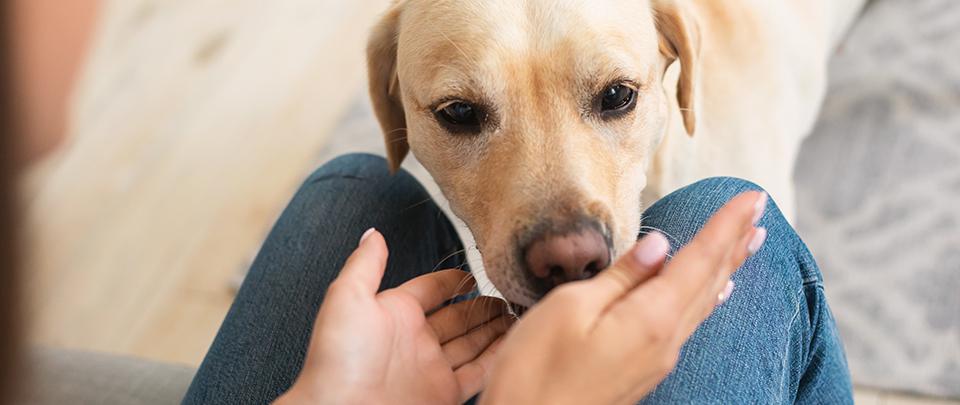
[775, 321]
[684, 212]
[355, 192]
[367, 172]
[354, 165]
[690, 207]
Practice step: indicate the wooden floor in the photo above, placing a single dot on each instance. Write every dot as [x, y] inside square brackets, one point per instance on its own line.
[193, 124]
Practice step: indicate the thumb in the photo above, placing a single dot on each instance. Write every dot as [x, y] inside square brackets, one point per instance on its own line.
[639, 264]
[366, 265]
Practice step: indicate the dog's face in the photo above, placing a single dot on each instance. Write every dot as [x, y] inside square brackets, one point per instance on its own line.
[536, 118]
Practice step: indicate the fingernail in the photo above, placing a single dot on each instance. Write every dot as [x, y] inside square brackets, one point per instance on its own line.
[757, 242]
[367, 235]
[759, 207]
[651, 249]
[725, 295]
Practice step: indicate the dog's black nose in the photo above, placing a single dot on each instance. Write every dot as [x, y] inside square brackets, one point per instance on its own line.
[557, 258]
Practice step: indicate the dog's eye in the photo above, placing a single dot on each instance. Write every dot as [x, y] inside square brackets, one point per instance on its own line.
[617, 99]
[460, 116]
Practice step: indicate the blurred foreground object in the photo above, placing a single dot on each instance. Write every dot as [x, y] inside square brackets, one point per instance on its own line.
[50, 42]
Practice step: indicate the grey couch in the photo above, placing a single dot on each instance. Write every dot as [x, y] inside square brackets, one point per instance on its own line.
[75, 377]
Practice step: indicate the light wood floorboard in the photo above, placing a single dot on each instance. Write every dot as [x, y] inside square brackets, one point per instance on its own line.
[193, 124]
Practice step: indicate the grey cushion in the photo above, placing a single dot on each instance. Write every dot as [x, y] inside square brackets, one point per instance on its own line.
[74, 377]
[879, 195]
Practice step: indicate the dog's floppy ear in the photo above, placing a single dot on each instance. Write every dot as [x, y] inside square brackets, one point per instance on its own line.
[680, 38]
[385, 85]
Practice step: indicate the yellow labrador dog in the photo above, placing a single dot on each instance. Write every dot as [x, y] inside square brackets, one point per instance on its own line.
[544, 121]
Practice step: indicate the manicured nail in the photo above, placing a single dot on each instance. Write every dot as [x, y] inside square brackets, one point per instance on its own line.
[725, 295]
[367, 235]
[759, 207]
[758, 238]
[651, 250]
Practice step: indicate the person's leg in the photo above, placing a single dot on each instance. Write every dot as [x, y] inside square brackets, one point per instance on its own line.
[774, 341]
[260, 347]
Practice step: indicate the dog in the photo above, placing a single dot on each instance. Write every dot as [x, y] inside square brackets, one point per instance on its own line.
[548, 123]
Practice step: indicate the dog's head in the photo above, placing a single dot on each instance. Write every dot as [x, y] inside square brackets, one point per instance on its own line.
[537, 119]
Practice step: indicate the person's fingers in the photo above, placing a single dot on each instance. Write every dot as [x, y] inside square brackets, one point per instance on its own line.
[697, 265]
[456, 320]
[729, 224]
[474, 375]
[432, 290]
[364, 268]
[667, 297]
[754, 242]
[643, 261]
[746, 247]
[467, 347]
[723, 288]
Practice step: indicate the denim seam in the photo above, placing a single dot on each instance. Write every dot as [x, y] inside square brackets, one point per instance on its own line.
[796, 311]
[812, 280]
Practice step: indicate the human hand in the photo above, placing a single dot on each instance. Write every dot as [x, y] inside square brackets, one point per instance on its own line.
[612, 339]
[396, 347]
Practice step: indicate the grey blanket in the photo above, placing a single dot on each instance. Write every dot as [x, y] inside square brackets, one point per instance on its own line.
[879, 195]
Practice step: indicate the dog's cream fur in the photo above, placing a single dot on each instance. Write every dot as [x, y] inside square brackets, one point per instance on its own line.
[725, 88]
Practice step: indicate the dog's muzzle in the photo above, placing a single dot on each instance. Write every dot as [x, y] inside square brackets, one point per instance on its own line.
[575, 252]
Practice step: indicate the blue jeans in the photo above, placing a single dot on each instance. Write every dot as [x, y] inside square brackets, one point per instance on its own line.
[774, 341]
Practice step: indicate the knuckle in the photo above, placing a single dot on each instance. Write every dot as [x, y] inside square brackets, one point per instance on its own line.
[656, 334]
[621, 274]
[475, 343]
[439, 283]
[660, 327]
[461, 315]
[567, 295]
[710, 250]
[649, 333]
[648, 336]
[666, 311]
[341, 286]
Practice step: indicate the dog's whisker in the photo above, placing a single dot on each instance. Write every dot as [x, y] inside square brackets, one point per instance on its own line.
[646, 230]
[390, 132]
[458, 292]
[483, 307]
[437, 267]
[665, 233]
[460, 285]
[467, 316]
[418, 204]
